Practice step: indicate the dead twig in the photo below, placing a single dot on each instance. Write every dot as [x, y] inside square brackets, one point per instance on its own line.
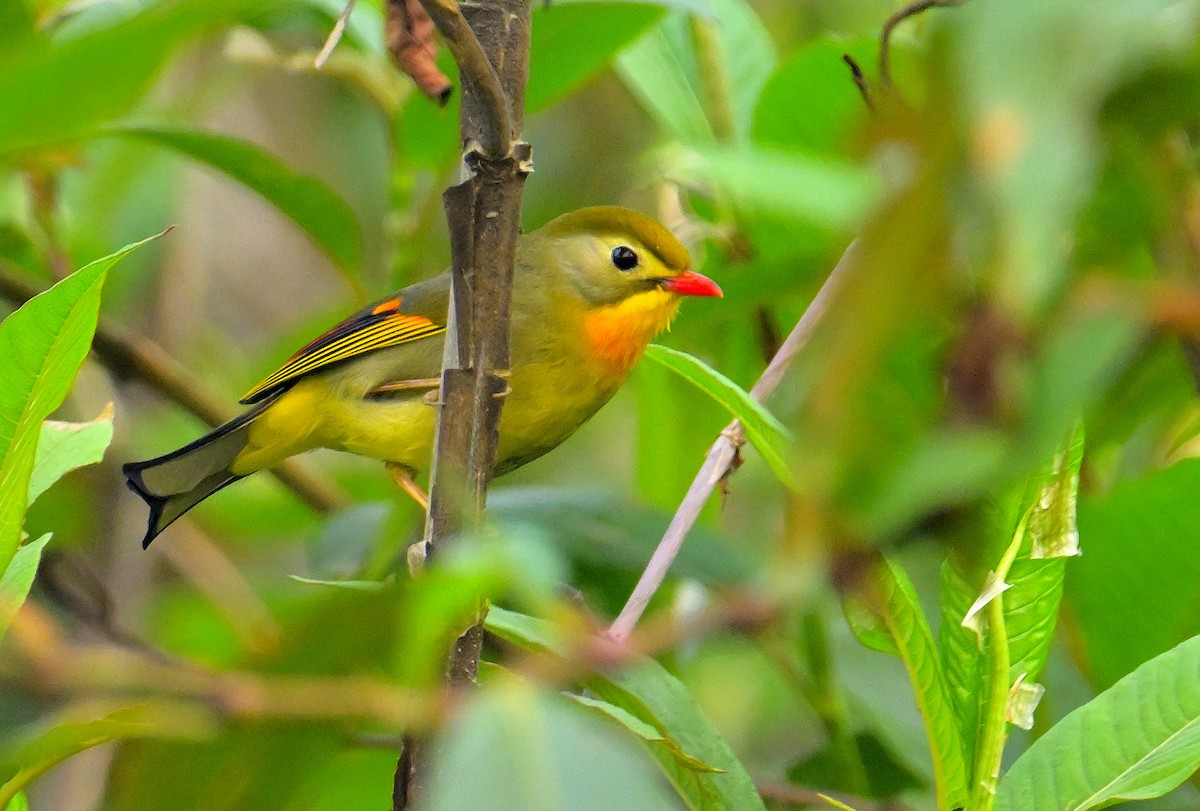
[885, 37]
[55, 666]
[721, 456]
[860, 80]
[335, 36]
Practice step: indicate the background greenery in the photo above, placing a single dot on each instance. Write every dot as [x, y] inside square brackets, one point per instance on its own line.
[1013, 346]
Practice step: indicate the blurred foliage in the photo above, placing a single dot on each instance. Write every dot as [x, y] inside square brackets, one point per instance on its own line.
[1025, 205]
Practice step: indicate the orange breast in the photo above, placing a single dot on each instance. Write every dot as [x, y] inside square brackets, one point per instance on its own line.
[618, 334]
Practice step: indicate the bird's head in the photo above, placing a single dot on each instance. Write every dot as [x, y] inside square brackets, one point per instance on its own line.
[629, 273]
[611, 254]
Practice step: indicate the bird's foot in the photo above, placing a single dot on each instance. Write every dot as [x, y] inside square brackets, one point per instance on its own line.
[402, 476]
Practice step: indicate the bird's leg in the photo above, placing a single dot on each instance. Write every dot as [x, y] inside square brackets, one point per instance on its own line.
[418, 552]
[404, 480]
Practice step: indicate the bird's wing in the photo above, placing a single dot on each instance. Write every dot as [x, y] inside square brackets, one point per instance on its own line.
[381, 325]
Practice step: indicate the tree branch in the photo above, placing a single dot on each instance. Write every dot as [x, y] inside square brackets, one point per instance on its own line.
[493, 130]
[131, 356]
[490, 42]
[721, 460]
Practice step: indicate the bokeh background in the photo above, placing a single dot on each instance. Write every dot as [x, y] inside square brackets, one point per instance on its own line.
[1025, 196]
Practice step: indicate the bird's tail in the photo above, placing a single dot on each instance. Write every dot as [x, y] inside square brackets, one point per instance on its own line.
[173, 484]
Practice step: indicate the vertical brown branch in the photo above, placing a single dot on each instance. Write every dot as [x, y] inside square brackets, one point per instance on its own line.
[490, 42]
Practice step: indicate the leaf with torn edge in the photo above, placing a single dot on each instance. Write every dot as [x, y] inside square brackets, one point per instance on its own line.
[993, 587]
[1135, 741]
[1052, 521]
[1023, 699]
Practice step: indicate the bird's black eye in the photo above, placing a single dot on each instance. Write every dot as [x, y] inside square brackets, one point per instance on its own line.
[624, 257]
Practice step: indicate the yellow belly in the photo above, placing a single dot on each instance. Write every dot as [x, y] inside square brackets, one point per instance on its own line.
[309, 416]
[547, 403]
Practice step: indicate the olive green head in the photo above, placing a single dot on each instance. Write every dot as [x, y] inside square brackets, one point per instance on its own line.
[610, 253]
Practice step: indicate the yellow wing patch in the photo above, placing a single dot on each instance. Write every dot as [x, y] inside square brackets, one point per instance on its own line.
[378, 329]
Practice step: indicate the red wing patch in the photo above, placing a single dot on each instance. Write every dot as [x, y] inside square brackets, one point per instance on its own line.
[376, 328]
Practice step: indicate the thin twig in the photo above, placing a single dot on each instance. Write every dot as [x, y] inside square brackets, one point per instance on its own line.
[51, 664]
[719, 463]
[128, 355]
[335, 36]
[860, 80]
[496, 127]
[885, 38]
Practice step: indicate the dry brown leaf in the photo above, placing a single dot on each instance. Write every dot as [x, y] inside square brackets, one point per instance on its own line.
[410, 39]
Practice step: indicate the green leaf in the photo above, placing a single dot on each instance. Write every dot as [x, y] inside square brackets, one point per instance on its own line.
[42, 345]
[524, 631]
[900, 611]
[1035, 590]
[867, 626]
[349, 585]
[962, 656]
[29, 754]
[66, 446]
[1129, 613]
[54, 92]
[643, 730]
[765, 432]
[1137, 740]
[436, 608]
[17, 579]
[527, 750]
[662, 75]
[652, 695]
[571, 43]
[822, 191]
[308, 202]
[18, 803]
[810, 104]
[662, 70]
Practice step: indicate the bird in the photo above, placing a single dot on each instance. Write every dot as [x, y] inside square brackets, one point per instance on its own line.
[591, 289]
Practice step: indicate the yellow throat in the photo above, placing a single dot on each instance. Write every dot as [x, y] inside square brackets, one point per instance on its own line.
[620, 332]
